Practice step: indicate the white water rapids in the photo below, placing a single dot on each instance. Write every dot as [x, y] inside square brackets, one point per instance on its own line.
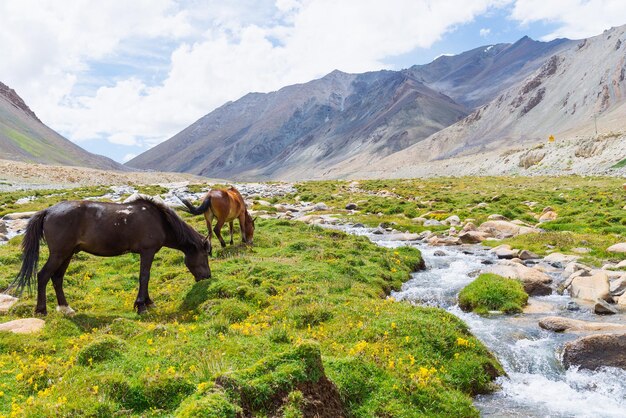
[536, 384]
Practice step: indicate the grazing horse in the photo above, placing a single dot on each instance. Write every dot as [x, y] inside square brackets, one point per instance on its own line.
[105, 229]
[226, 205]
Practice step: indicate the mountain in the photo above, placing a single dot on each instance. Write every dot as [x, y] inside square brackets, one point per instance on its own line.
[475, 77]
[23, 137]
[576, 89]
[305, 130]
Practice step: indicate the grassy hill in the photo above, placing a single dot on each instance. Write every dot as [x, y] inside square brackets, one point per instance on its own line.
[300, 318]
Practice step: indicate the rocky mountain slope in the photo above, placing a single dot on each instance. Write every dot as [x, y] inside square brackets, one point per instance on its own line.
[306, 130]
[23, 137]
[475, 77]
[573, 91]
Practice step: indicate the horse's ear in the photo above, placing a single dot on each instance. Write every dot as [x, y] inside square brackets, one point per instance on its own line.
[206, 244]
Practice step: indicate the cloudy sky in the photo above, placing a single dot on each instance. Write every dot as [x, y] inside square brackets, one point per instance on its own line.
[117, 77]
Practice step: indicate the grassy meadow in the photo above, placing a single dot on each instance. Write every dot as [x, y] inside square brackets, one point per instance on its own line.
[275, 322]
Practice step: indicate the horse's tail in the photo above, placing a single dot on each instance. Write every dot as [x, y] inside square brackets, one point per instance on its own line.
[30, 254]
[206, 205]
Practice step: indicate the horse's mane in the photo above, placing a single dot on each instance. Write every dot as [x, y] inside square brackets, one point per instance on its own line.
[184, 233]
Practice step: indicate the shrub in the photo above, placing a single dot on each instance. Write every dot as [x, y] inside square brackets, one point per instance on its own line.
[491, 292]
[101, 349]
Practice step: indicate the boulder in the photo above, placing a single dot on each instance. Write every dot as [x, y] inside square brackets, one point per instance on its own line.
[561, 324]
[591, 288]
[321, 206]
[535, 306]
[603, 308]
[617, 248]
[504, 251]
[453, 220]
[3, 227]
[497, 217]
[472, 237]
[621, 264]
[311, 219]
[535, 282]
[351, 206]
[527, 255]
[396, 237]
[469, 226]
[6, 301]
[432, 222]
[23, 326]
[548, 216]
[18, 215]
[504, 229]
[439, 253]
[618, 287]
[572, 267]
[559, 260]
[595, 351]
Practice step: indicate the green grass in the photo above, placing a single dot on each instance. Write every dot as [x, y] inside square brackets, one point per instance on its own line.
[620, 164]
[302, 302]
[490, 292]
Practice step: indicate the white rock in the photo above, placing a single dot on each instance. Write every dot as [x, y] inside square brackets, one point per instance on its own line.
[591, 288]
[23, 326]
[617, 248]
[6, 301]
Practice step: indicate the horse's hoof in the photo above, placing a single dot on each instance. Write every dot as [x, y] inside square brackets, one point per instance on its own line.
[41, 312]
[66, 310]
[150, 305]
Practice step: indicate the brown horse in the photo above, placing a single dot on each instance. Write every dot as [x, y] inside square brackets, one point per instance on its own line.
[226, 205]
[106, 229]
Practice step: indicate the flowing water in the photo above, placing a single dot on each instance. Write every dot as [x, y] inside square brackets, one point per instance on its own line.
[536, 384]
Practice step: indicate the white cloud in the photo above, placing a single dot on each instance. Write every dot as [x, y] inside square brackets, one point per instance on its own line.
[575, 18]
[224, 52]
[219, 51]
[484, 32]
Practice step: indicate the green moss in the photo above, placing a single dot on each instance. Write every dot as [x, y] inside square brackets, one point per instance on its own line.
[490, 292]
[212, 405]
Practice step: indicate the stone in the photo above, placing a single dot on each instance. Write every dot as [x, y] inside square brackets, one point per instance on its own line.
[621, 264]
[397, 237]
[472, 237]
[581, 250]
[358, 225]
[6, 301]
[321, 206]
[3, 227]
[595, 351]
[620, 247]
[548, 216]
[618, 287]
[504, 251]
[18, 215]
[497, 217]
[572, 306]
[432, 222]
[535, 306]
[439, 253]
[504, 229]
[535, 282]
[603, 308]
[469, 226]
[527, 255]
[572, 267]
[559, 260]
[23, 326]
[453, 220]
[561, 324]
[311, 219]
[351, 206]
[591, 288]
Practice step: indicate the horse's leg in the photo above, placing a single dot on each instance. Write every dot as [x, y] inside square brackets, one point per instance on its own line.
[52, 265]
[230, 226]
[208, 216]
[218, 231]
[57, 282]
[242, 222]
[144, 276]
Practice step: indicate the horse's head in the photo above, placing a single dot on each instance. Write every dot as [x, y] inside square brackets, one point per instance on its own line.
[249, 228]
[197, 260]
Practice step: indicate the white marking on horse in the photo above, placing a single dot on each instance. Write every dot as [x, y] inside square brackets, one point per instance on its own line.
[66, 310]
[126, 211]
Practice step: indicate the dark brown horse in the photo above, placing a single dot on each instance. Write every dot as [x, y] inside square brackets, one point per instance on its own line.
[225, 205]
[105, 229]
